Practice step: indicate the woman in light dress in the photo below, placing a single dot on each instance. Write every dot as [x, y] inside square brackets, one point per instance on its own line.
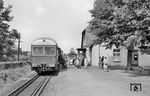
[105, 64]
[78, 65]
[85, 62]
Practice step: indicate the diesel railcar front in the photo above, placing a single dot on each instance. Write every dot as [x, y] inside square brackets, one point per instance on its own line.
[44, 55]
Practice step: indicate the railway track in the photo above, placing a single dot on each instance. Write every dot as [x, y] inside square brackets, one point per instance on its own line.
[23, 86]
[41, 86]
[30, 88]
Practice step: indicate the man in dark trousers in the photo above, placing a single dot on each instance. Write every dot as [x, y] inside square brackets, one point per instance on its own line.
[61, 61]
[82, 62]
[102, 62]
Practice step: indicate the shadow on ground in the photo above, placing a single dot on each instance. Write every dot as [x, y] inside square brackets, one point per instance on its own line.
[135, 72]
[116, 67]
[53, 73]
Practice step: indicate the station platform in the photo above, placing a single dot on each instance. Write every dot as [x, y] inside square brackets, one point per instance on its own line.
[93, 81]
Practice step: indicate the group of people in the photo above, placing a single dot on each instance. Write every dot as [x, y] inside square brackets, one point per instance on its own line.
[83, 62]
[103, 64]
[62, 62]
[79, 62]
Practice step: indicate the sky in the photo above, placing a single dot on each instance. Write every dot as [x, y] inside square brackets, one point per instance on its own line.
[62, 20]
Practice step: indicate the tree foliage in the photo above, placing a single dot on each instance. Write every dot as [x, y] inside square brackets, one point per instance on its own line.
[7, 36]
[122, 23]
[72, 53]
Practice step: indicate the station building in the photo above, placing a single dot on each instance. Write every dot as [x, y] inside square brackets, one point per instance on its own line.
[120, 57]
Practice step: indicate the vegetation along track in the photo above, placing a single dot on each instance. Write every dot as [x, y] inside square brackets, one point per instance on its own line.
[17, 91]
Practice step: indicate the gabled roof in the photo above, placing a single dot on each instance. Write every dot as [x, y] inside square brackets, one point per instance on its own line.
[88, 38]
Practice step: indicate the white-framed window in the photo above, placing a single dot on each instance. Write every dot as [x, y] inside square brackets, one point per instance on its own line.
[116, 55]
[50, 51]
[44, 51]
[37, 51]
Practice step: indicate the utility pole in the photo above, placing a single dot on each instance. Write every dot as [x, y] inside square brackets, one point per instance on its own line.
[99, 53]
[98, 50]
[18, 46]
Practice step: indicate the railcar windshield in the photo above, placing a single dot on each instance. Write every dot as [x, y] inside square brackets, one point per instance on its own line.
[50, 51]
[44, 50]
[37, 51]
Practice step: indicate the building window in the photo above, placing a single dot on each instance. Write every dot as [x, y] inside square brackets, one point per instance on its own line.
[116, 55]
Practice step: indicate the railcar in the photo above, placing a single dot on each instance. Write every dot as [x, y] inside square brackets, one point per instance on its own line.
[44, 55]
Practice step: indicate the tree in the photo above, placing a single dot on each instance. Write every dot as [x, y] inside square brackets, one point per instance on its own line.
[7, 36]
[100, 25]
[132, 19]
[72, 54]
[122, 23]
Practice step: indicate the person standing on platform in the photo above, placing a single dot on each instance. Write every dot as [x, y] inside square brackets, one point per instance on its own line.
[105, 64]
[82, 62]
[78, 63]
[71, 62]
[85, 62]
[102, 62]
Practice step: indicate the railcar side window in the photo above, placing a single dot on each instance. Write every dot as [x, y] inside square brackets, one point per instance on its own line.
[37, 50]
[50, 51]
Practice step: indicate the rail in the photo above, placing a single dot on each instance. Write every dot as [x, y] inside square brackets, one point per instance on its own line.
[18, 90]
[41, 86]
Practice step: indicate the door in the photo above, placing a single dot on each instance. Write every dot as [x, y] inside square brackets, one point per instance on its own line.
[135, 58]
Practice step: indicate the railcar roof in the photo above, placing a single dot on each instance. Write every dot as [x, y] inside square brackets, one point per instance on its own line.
[44, 41]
